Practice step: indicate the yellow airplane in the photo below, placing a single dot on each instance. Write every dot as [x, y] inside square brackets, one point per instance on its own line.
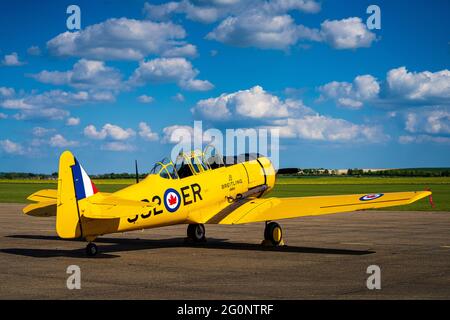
[200, 188]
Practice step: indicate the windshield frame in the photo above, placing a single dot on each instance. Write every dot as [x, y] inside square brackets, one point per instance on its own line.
[162, 169]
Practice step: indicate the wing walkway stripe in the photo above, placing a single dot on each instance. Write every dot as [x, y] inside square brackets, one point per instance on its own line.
[356, 204]
[227, 211]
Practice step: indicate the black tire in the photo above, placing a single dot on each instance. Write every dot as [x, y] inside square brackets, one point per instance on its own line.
[196, 232]
[273, 233]
[91, 249]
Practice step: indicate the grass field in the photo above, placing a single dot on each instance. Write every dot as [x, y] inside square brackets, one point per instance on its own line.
[16, 191]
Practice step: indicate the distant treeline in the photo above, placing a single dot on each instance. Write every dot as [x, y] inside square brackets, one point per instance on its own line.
[402, 172]
[117, 176]
[27, 175]
[411, 172]
[54, 175]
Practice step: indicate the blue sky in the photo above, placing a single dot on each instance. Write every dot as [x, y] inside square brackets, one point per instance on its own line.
[342, 95]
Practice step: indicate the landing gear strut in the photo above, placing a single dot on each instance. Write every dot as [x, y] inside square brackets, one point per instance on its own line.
[273, 235]
[196, 232]
[91, 249]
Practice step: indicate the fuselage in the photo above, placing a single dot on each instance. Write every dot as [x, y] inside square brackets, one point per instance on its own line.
[188, 199]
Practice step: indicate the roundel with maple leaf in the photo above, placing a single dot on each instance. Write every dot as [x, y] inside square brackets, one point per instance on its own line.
[372, 196]
[172, 200]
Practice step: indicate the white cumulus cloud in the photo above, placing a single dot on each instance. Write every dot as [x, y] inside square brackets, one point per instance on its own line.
[11, 147]
[352, 95]
[177, 133]
[169, 70]
[41, 132]
[145, 99]
[55, 98]
[108, 131]
[253, 103]
[6, 92]
[400, 89]
[72, 121]
[121, 39]
[262, 30]
[205, 14]
[59, 141]
[430, 120]
[350, 33]
[85, 74]
[42, 114]
[12, 60]
[20, 104]
[323, 128]
[50, 104]
[426, 87]
[291, 117]
[214, 10]
[146, 132]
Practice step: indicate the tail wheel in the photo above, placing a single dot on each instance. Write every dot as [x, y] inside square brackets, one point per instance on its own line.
[91, 249]
[196, 232]
[273, 233]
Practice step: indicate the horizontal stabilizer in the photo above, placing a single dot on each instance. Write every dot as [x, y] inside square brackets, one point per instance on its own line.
[44, 195]
[45, 206]
[41, 209]
[111, 207]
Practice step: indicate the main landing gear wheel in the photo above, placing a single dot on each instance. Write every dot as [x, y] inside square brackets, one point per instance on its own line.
[196, 232]
[273, 234]
[91, 249]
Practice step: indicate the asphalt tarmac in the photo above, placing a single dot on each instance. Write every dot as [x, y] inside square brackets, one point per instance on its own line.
[325, 257]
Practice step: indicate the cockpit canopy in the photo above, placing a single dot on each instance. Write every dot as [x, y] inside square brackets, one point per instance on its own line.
[188, 164]
[165, 169]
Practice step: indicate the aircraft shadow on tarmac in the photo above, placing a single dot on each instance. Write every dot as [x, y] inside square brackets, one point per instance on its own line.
[114, 245]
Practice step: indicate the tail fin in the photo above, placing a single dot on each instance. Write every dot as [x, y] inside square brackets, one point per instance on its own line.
[73, 185]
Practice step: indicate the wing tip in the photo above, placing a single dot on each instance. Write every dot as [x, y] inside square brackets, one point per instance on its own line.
[420, 195]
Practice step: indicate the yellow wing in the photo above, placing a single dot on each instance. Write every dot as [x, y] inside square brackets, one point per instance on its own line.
[258, 210]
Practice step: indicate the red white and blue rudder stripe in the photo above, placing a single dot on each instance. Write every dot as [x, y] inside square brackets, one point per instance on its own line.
[84, 187]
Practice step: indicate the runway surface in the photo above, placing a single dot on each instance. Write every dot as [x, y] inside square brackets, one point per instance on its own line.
[324, 258]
